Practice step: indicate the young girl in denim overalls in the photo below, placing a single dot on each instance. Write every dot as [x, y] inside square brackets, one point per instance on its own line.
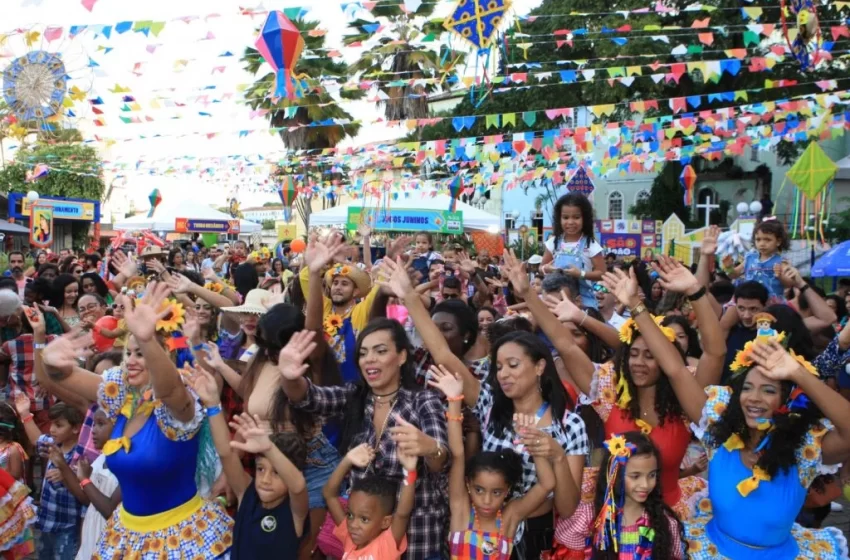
[573, 248]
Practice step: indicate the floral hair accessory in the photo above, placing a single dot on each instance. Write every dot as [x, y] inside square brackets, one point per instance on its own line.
[174, 320]
[607, 523]
[214, 287]
[263, 254]
[629, 330]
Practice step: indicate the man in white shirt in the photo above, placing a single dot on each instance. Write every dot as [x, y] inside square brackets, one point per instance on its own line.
[607, 304]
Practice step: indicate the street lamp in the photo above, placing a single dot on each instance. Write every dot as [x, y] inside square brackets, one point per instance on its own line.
[748, 210]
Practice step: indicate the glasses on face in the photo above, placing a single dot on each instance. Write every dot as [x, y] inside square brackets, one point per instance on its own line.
[77, 271]
[600, 288]
[89, 307]
[118, 306]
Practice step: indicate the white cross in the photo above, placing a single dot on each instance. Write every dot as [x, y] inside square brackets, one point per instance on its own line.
[708, 207]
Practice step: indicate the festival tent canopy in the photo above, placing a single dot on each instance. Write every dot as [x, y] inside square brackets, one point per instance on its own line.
[843, 168]
[835, 262]
[170, 209]
[473, 218]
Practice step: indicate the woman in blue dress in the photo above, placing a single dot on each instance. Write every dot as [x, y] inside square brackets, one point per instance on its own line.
[158, 451]
[766, 438]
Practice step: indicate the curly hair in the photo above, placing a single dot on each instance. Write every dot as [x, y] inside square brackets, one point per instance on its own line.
[506, 463]
[777, 230]
[787, 436]
[553, 391]
[597, 351]
[576, 200]
[666, 403]
[658, 513]
[694, 350]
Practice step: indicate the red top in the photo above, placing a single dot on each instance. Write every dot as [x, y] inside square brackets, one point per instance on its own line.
[671, 439]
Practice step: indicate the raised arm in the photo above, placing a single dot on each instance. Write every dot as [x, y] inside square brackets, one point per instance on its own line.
[141, 322]
[292, 367]
[675, 277]
[105, 505]
[690, 394]
[575, 360]
[207, 389]
[707, 250]
[404, 508]
[360, 457]
[774, 362]
[566, 310]
[435, 342]
[822, 314]
[60, 371]
[179, 284]
[22, 406]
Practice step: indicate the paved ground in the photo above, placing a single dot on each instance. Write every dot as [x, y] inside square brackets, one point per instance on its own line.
[840, 519]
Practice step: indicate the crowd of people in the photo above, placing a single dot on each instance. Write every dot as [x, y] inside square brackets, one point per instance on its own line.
[210, 403]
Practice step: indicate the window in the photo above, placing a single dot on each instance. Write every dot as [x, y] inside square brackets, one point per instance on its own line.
[642, 196]
[537, 224]
[510, 223]
[754, 153]
[615, 206]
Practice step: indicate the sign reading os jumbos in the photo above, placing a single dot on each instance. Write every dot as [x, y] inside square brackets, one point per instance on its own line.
[62, 209]
[185, 225]
[406, 219]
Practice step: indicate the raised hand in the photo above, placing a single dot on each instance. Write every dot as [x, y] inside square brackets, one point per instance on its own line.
[84, 469]
[205, 385]
[209, 274]
[127, 266]
[774, 362]
[142, 318]
[62, 353]
[253, 431]
[398, 246]
[624, 286]
[156, 265]
[179, 284]
[564, 308]
[213, 356]
[35, 318]
[365, 230]
[399, 281]
[516, 273]
[318, 254]
[292, 359]
[411, 440]
[790, 276]
[708, 247]
[22, 403]
[674, 276]
[450, 384]
[361, 456]
[466, 263]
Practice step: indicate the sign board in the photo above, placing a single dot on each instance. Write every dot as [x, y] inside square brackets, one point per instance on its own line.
[62, 209]
[287, 232]
[41, 226]
[406, 219]
[625, 245]
[185, 225]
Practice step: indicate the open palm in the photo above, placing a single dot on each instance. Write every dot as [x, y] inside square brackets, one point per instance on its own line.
[318, 254]
[674, 276]
[142, 317]
[623, 286]
[399, 280]
[448, 383]
[62, 352]
[292, 358]
[515, 273]
[254, 433]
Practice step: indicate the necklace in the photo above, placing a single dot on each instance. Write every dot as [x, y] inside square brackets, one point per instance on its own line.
[381, 399]
[381, 432]
[488, 547]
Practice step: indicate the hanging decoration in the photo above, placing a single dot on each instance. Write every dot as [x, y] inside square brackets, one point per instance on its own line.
[811, 174]
[280, 43]
[233, 207]
[34, 87]
[803, 35]
[477, 22]
[155, 199]
[688, 179]
[455, 189]
[287, 195]
[580, 182]
[37, 172]
[41, 226]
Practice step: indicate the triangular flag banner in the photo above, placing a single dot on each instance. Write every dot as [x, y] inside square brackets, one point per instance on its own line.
[581, 183]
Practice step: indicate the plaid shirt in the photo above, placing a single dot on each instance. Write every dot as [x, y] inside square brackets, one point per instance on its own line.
[422, 362]
[830, 362]
[426, 531]
[59, 510]
[19, 354]
[85, 445]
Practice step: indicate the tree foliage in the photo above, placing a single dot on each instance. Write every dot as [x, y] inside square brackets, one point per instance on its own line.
[74, 171]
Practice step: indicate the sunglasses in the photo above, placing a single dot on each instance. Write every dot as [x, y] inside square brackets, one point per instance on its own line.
[117, 306]
[600, 288]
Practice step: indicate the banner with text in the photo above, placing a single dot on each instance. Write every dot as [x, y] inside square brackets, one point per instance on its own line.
[62, 209]
[626, 246]
[406, 219]
[185, 225]
[41, 226]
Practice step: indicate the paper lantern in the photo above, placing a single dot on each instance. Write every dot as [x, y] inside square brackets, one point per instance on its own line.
[455, 188]
[37, 172]
[155, 199]
[280, 43]
[688, 179]
[287, 194]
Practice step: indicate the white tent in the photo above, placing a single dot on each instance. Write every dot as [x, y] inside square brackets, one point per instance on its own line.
[473, 218]
[169, 210]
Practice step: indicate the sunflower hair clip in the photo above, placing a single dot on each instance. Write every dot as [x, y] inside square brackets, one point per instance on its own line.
[215, 287]
[630, 330]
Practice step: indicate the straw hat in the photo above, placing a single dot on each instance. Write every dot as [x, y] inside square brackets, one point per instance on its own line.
[151, 251]
[255, 303]
[350, 271]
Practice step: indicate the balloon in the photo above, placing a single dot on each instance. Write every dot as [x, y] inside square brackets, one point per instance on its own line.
[102, 343]
[287, 194]
[280, 43]
[297, 245]
[155, 198]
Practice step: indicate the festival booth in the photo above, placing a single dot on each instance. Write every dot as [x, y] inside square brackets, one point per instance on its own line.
[410, 214]
[186, 216]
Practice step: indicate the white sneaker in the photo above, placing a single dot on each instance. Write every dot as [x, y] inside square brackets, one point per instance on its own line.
[835, 506]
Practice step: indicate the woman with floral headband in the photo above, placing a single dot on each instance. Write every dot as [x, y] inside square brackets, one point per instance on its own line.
[766, 439]
[160, 449]
[638, 394]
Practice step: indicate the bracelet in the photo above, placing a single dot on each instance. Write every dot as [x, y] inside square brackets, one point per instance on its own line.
[638, 309]
[39, 345]
[583, 274]
[453, 418]
[804, 288]
[409, 477]
[213, 411]
[583, 319]
[698, 294]
[85, 482]
[458, 398]
[26, 418]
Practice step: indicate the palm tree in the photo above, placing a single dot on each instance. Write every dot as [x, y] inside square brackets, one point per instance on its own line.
[394, 60]
[315, 106]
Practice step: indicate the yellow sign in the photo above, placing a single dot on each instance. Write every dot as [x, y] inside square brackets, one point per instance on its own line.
[287, 232]
[62, 209]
